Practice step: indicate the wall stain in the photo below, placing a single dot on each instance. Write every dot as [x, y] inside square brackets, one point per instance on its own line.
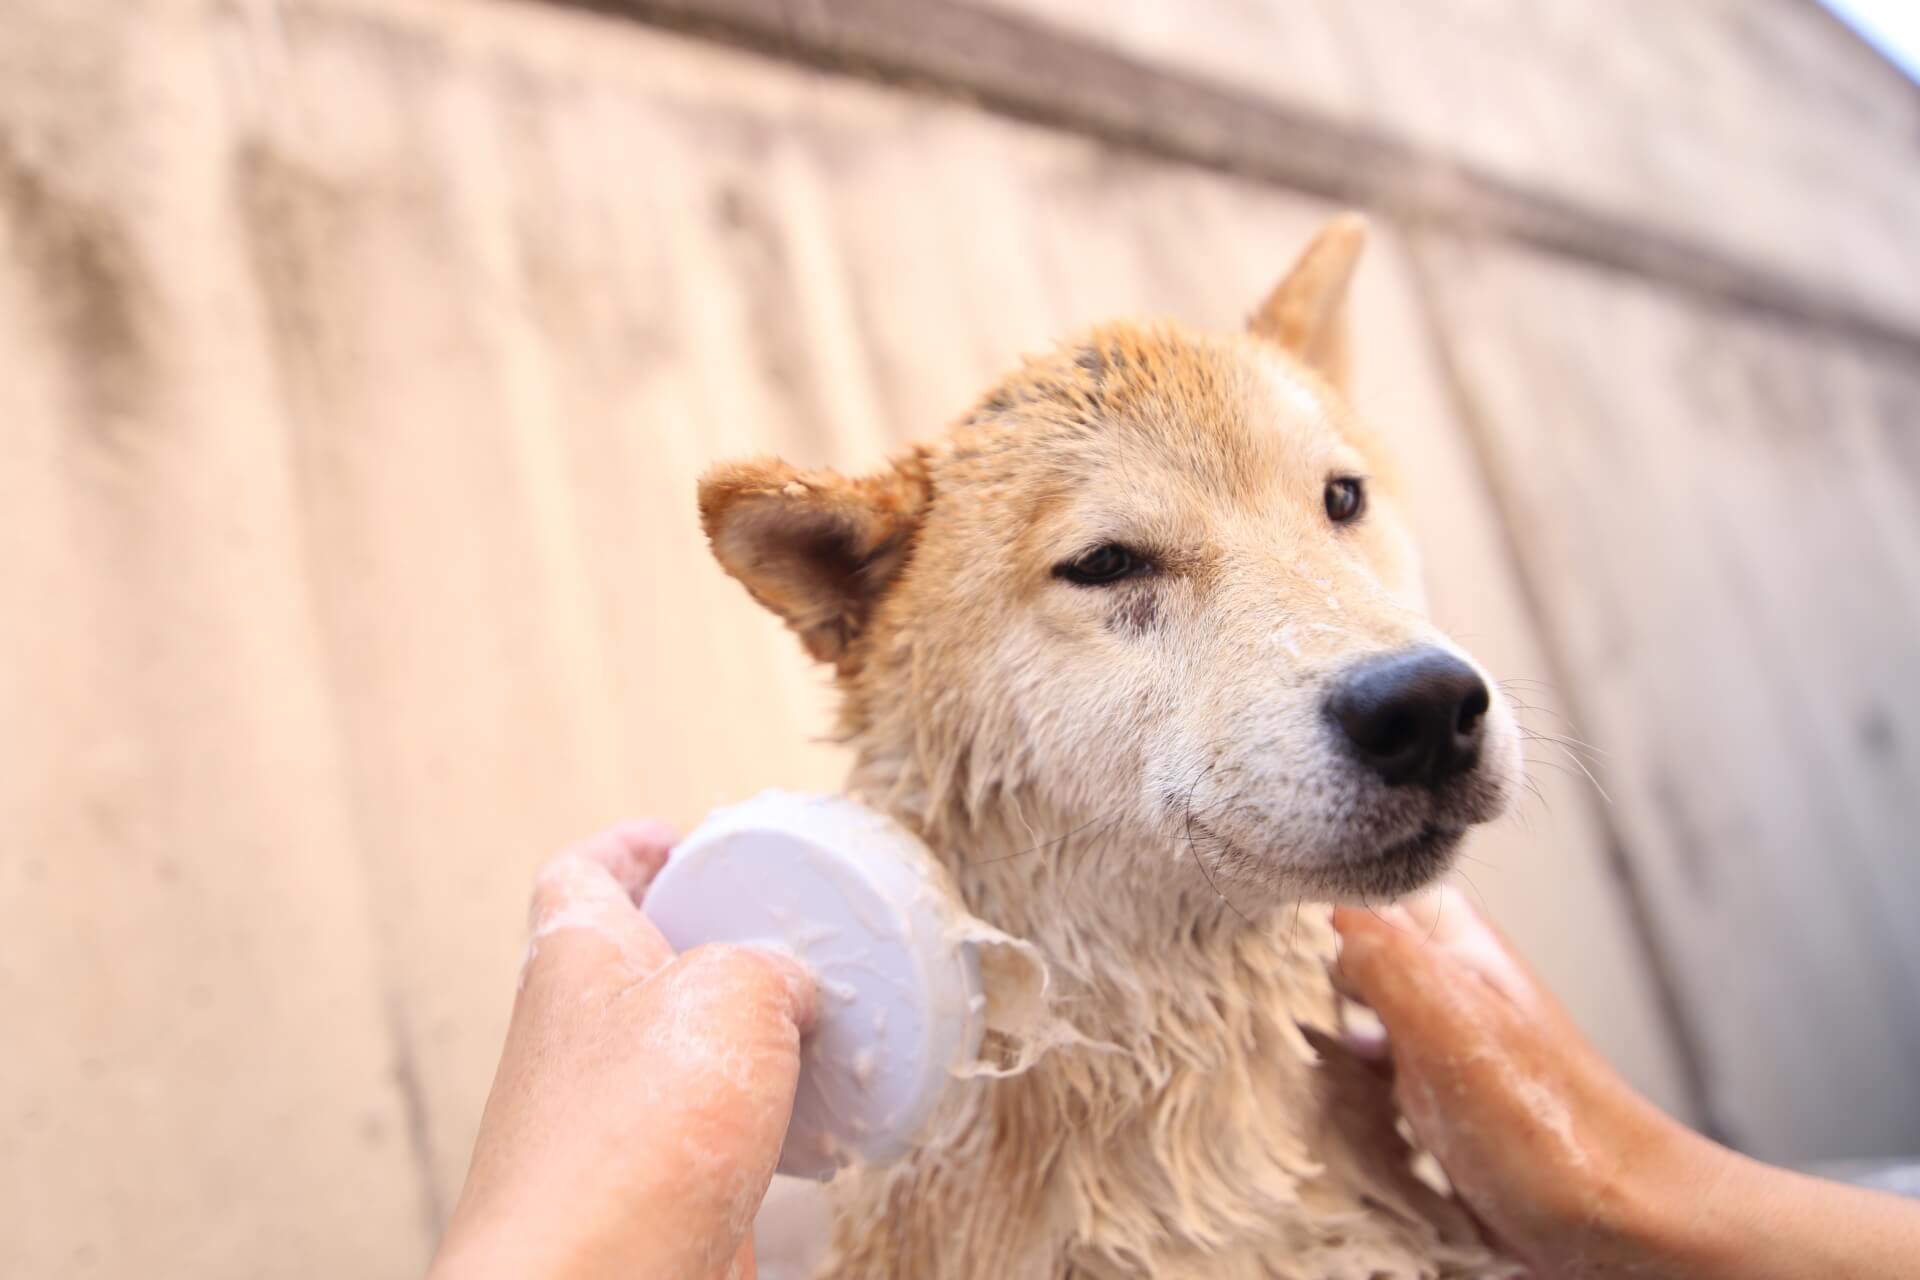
[285, 212]
[1690, 849]
[1878, 737]
[295, 224]
[773, 330]
[91, 287]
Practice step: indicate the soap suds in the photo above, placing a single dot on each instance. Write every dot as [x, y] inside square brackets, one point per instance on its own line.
[1021, 1026]
[592, 916]
[1550, 1113]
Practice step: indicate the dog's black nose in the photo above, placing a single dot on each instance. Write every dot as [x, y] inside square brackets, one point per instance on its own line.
[1414, 717]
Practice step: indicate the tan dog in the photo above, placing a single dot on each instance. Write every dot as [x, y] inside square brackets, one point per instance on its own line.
[1140, 651]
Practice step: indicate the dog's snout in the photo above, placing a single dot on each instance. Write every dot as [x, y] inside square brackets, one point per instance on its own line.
[1413, 717]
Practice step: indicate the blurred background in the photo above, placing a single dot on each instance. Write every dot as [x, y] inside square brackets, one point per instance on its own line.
[357, 358]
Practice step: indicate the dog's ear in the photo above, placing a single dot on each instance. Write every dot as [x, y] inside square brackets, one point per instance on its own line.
[815, 547]
[1307, 312]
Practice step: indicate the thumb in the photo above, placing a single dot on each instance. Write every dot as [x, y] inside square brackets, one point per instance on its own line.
[1384, 967]
[743, 990]
[1429, 994]
[720, 1031]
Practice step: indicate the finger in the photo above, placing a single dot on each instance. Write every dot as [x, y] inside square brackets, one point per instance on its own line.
[567, 880]
[584, 901]
[632, 852]
[723, 994]
[1444, 917]
[1451, 924]
[1396, 914]
[1432, 910]
[1361, 1030]
[801, 990]
[594, 942]
[721, 1032]
[1381, 965]
[737, 994]
[625, 857]
[614, 866]
[1342, 984]
[1433, 1005]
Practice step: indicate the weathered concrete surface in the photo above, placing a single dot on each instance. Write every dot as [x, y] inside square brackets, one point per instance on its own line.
[360, 358]
[198, 1077]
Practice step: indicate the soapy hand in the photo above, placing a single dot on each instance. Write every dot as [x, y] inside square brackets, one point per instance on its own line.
[1538, 1134]
[1566, 1166]
[641, 1097]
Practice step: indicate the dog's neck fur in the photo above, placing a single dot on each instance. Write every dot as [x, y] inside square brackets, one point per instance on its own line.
[1183, 1123]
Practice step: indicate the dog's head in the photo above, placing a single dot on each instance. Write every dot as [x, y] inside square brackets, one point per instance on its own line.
[1159, 579]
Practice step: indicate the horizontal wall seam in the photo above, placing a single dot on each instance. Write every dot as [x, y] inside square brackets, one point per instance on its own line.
[1035, 73]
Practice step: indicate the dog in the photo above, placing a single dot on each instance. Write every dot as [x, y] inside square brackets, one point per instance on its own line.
[1140, 649]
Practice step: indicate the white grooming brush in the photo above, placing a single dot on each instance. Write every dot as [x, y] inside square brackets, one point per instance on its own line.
[850, 894]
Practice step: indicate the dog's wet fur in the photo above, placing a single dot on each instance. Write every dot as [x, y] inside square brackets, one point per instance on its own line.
[1088, 645]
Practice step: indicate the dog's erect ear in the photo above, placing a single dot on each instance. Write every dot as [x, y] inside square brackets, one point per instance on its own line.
[1307, 312]
[815, 547]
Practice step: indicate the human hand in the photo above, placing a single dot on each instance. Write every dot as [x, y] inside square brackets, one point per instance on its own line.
[1567, 1167]
[641, 1098]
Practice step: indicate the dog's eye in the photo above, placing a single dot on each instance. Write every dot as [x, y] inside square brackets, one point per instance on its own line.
[1346, 499]
[1106, 563]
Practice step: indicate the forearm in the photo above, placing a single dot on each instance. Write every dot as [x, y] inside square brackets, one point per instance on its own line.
[549, 1240]
[1727, 1216]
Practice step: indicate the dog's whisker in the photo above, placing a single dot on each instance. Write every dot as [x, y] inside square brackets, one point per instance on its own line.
[1563, 740]
[1087, 851]
[1537, 709]
[1194, 849]
[1534, 788]
[1518, 814]
[1531, 763]
[1579, 764]
[1563, 750]
[980, 862]
[1481, 897]
[1527, 709]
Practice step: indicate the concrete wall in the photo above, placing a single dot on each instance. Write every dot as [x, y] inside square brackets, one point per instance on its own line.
[360, 356]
